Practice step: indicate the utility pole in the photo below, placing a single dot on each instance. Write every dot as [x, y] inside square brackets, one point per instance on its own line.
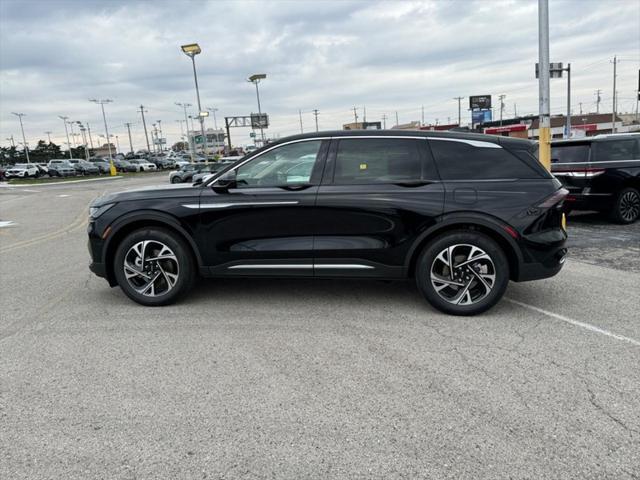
[89, 133]
[422, 116]
[144, 124]
[567, 131]
[315, 114]
[459, 99]
[364, 114]
[13, 143]
[128, 125]
[615, 106]
[73, 134]
[117, 144]
[598, 99]
[384, 121]
[300, 115]
[544, 126]
[64, 120]
[580, 103]
[355, 114]
[186, 122]
[397, 122]
[24, 140]
[161, 136]
[48, 136]
[181, 131]
[515, 110]
[501, 97]
[154, 137]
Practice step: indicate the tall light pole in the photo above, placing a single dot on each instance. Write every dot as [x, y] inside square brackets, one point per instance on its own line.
[48, 135]
[24, 140]
[112, 168]
[191, 50]
[544, 126]
[213, 111]
[144, 124]
[186, 122]
[117, 145]
[73, 134]
[13, 144]
[501, 97]
[160, 128]
[615, 97]
[84, 140]
[66, 130]
[459, 99]
[255, 79]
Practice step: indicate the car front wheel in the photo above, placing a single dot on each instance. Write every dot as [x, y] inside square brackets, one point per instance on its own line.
[154, 266]
[627, 206]
[462, 273]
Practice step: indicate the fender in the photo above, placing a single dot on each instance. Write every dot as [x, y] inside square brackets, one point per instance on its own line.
[467, 218]
[153, 215]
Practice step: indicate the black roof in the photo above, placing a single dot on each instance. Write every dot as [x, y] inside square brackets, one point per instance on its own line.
[409, 133]
[596, 138]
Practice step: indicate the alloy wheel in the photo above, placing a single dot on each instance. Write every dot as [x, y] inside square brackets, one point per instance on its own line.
[630, 206]
[463, 274]
[151, 268]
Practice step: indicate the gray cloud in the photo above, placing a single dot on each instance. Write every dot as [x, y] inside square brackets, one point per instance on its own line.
[330, 55]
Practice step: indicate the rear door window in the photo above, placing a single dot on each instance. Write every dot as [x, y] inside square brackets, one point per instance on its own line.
[570, 153]
[458, 160]
[615, 150]
[377, 160]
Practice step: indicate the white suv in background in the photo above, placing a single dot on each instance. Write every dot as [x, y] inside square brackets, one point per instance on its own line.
[144, 165]
[23, 170]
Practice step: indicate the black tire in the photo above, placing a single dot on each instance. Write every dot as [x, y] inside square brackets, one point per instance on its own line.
[186, 268]
[464, 239]
[626, 208]
[176, 179]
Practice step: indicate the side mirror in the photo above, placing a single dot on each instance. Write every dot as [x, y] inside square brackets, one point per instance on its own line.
[224, 183]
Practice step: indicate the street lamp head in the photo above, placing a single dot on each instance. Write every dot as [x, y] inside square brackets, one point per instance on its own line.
[192, 49]
[256, 77]
[203, 114]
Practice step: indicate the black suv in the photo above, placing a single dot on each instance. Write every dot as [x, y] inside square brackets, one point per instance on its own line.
[601, 173]
[461, 213]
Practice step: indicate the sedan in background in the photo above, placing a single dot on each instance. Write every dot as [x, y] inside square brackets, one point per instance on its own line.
[126, 166]
[86, 168]
[61, 168]
[101, 163]
[144, 165]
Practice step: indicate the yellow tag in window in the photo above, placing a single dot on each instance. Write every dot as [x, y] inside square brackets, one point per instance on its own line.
[363, 166]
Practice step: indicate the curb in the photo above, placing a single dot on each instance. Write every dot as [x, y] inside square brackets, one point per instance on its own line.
[29, 185]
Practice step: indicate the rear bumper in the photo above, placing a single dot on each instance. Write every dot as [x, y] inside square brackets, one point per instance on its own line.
[98, 269]
[588, 201]
[543, 255]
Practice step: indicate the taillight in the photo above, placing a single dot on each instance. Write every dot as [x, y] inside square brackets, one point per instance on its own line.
[557, 197]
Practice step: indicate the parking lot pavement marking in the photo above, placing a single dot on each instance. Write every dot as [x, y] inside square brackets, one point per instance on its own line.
[576, 323]
[63, 196]
[6, 223]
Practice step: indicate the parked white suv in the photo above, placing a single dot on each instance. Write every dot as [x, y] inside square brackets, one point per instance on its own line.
[23, 170]
[144, 165]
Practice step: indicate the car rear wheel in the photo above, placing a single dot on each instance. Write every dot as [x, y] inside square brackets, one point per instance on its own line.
[626, 208]
[175, 179]
[154, 266]
[462, 273]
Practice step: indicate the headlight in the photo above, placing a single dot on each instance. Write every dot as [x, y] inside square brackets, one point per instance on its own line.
[95, 212]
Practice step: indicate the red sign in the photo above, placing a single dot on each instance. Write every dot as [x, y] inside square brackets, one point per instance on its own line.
[587, 127]
[521, 127]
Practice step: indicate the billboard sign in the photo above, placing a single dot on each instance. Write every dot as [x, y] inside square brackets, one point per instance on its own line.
[480, 101]
[480, 116]
[259, 120]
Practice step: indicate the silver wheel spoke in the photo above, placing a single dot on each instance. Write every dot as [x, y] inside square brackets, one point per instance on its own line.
[466, 282]
[151, 268]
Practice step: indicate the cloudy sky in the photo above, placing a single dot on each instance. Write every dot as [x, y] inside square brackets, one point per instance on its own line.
[390, 56]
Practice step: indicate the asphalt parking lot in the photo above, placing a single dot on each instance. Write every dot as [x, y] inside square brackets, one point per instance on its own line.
[310, 379]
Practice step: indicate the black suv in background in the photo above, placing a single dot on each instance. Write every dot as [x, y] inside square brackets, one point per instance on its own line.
[462, 214]
[601, 173]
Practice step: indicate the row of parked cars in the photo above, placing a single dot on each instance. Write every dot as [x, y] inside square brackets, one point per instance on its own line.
[196, 172]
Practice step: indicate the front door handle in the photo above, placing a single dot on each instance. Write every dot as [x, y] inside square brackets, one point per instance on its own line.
[296, 187]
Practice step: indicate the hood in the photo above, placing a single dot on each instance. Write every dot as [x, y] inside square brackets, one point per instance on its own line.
[148, 193]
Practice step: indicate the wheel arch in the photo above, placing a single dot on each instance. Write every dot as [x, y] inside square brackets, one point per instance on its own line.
[125, 225]
[490, 226]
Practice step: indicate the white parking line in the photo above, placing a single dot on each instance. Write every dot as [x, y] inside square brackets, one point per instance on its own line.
[6, 223]
[576, 323]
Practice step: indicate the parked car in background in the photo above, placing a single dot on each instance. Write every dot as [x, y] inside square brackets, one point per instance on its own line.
[144, 165]
[86, 168]
[162, 162]
[460, 214]
[23, 170]
[102, 164]
[42, 168]
[2, 173]
[208, 170]
[126, 166]
[601, 173]
[186, 172]
[61, 168]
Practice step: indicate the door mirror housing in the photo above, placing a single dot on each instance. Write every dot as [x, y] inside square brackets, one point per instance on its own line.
[225, 182]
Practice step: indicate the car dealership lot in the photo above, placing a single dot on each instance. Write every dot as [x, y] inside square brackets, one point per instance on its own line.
[299, 379]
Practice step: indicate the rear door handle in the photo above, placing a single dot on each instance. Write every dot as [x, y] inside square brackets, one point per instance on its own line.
[413, 183]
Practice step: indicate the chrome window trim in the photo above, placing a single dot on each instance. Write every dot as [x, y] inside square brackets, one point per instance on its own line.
[473, 143]
[594, 162]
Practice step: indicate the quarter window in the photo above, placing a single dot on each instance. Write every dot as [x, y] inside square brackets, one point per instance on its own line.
[287, 165]
[462, 161]
[570, 154]
[367, 161]
[612, 150]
